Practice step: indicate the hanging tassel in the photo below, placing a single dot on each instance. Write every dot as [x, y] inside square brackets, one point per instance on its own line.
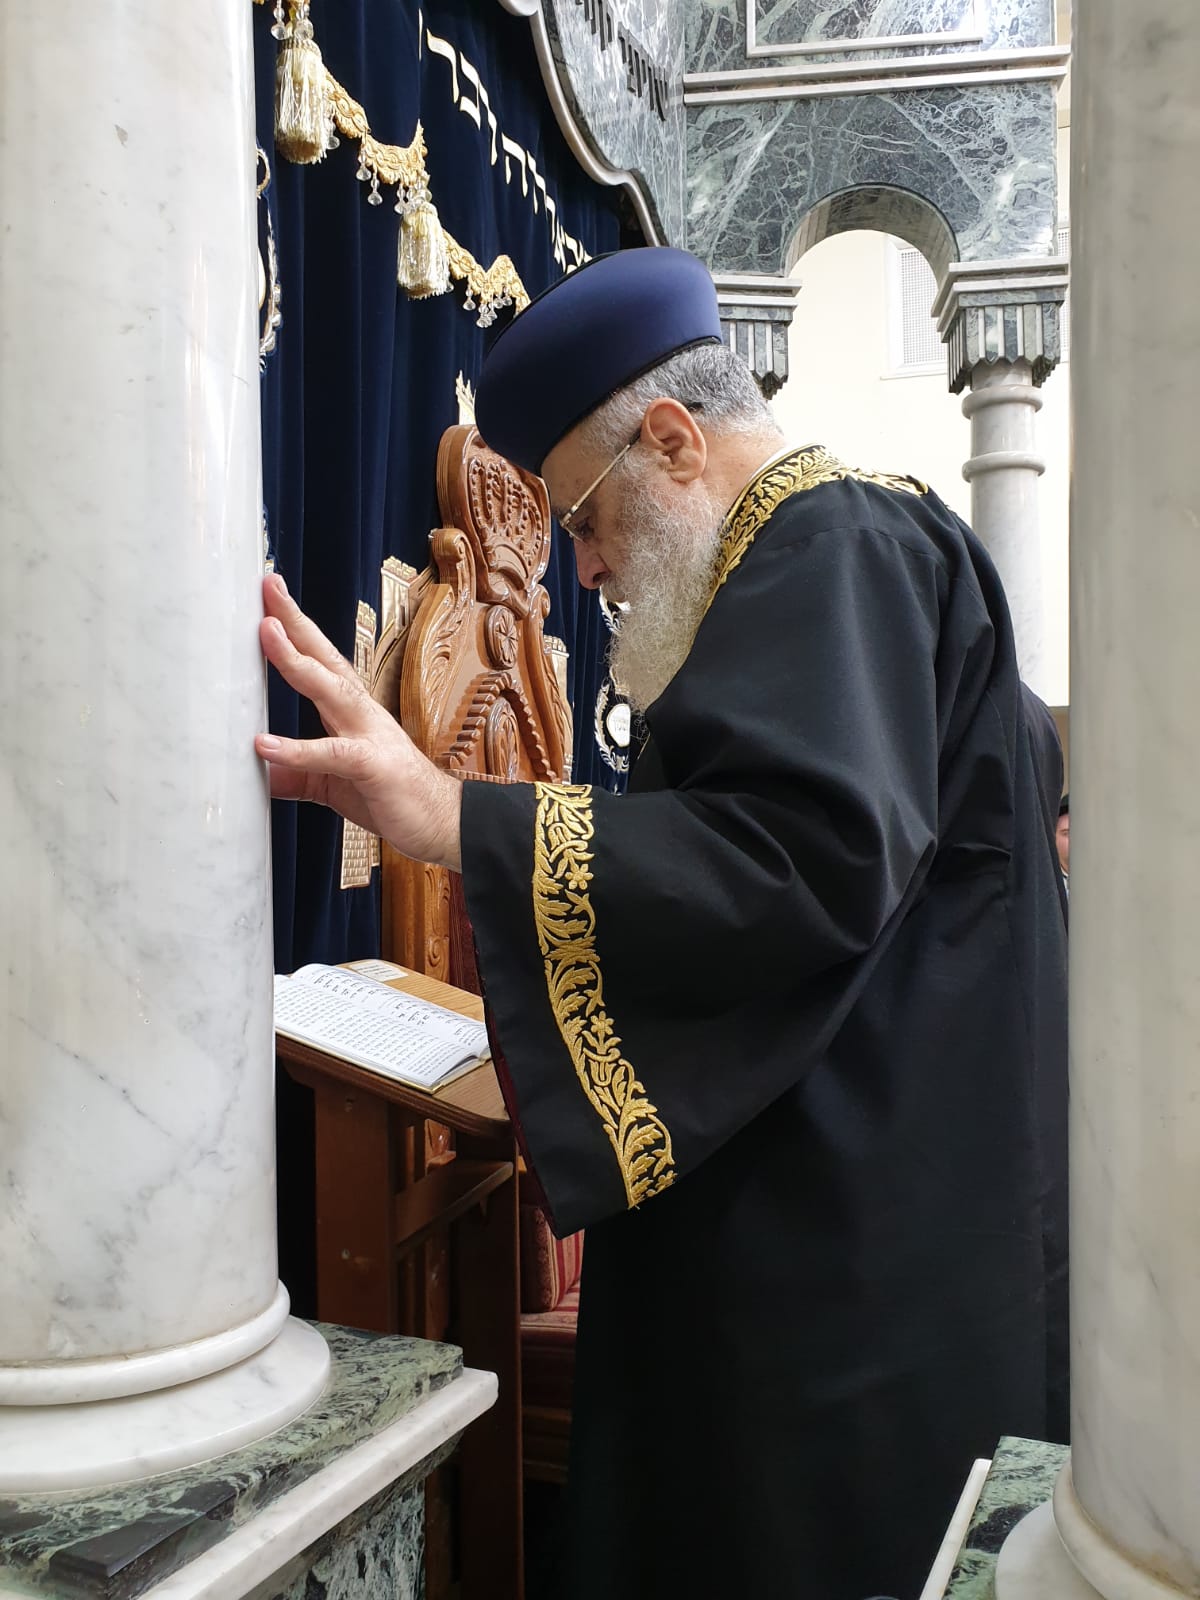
[423, 263]
[303, 124]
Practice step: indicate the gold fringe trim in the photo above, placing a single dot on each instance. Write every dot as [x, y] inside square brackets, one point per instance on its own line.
[783, 476]
[566, 926]
[499, 284]
[401, 164]
[422, 264]
[489, 289]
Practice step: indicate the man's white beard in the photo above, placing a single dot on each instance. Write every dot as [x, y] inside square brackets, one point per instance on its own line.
[666, 580]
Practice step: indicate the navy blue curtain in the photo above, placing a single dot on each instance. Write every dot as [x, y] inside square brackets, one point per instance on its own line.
[361, 386]
[360, 389]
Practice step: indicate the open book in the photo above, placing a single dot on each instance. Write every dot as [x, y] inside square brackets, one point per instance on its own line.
[374, 1026]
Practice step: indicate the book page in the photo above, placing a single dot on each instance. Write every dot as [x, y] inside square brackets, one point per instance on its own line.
[383, 970]
[406, 1008]
[328, 1021]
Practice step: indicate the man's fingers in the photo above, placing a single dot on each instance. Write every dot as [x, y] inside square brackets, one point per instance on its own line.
[301, 630]
[335, 758]
[336, 697]
[289, 785]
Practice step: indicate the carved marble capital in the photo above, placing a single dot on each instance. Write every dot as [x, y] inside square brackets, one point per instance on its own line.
[756, 312]
[993, 311]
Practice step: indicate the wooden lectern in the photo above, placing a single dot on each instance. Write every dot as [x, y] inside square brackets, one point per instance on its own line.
[417, 1208]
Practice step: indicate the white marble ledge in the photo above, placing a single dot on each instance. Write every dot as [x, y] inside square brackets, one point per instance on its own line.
[260, 1547]
[956, 1533]
[264, 1544]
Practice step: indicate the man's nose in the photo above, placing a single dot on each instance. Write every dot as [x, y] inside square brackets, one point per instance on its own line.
[590, 566]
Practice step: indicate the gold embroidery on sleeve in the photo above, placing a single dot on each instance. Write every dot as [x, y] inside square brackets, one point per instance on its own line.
[783, 476]
[566, 925]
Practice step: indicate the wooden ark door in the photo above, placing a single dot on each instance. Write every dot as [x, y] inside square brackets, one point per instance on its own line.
[465, 664]
[471, 674]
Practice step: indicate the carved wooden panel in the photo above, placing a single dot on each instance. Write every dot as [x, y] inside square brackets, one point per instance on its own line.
[463, 660]
[504, 512]
[478, 691]
[360, 849]
[556, 655]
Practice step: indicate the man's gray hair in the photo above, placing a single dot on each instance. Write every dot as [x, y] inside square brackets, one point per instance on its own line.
[710, 379]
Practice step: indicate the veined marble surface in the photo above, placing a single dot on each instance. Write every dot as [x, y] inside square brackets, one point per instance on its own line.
[1003, 471]
[52, 1448]
[1022, 1478]
[1135, 760]
[115, 1544]
[717, 28]
[137, 1208]
[380, 1552]
[346, 1506]
[595, 45]
[983, 157]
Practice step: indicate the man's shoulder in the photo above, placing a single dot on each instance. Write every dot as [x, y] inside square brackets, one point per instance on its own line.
[810, 491]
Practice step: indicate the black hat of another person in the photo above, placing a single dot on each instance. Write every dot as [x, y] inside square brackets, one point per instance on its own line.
[583, 338]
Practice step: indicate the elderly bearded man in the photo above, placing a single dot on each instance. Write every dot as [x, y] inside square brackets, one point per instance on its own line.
[783, 1027]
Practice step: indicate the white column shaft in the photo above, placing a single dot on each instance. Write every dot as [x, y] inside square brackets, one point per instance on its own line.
[136, 1128]
[1135, 791]
[1003, 473]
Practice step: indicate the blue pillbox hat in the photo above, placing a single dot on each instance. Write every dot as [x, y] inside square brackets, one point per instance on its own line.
[583, 338]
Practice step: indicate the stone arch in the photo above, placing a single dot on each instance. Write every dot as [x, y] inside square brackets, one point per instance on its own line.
[881, 208]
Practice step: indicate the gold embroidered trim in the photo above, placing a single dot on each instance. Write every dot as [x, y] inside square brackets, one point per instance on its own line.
[487, 285]
[402, 164]
[784, 475]
[566, 925]
[405, 166]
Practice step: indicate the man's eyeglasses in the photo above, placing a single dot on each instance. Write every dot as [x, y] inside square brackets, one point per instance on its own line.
[567, 520]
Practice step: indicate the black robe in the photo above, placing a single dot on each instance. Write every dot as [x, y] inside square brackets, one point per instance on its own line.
[784, 1029]
[1046, 749]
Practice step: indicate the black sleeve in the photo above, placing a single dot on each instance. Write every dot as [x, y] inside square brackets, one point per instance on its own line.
[663, 965]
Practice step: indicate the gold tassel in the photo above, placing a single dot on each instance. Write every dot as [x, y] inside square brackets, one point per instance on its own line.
[302, 118]
[423, 263]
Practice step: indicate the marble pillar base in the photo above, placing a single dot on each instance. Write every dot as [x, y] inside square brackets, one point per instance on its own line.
[1034, 1566]
[1021, 1478]
[65, 1383]
[55, 1447]
[1057, 1553]
[333, 1496]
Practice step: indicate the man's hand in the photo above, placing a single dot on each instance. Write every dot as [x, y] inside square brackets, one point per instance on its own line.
[368, 768]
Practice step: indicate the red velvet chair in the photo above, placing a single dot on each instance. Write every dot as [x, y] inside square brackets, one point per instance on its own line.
[550, 1270]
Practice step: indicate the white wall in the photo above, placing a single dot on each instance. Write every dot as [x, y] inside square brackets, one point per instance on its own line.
[843, 393]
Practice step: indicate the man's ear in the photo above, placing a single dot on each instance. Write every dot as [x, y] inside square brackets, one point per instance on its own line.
[670, 430]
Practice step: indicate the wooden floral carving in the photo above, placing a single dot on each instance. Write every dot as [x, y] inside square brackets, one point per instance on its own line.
[469, 670]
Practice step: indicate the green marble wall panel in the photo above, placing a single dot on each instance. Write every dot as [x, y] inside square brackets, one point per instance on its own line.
[984, 158]
[964, 170]
[633, 120]
[716, 29]
[378, 1554]
[1021, 1479]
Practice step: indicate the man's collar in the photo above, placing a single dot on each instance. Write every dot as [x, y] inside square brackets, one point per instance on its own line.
[765, 466]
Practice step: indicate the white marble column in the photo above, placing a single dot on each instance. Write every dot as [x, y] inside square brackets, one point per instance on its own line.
[1003, 471]
[1001, 324]
[1127, 1508]
[143, 1323]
